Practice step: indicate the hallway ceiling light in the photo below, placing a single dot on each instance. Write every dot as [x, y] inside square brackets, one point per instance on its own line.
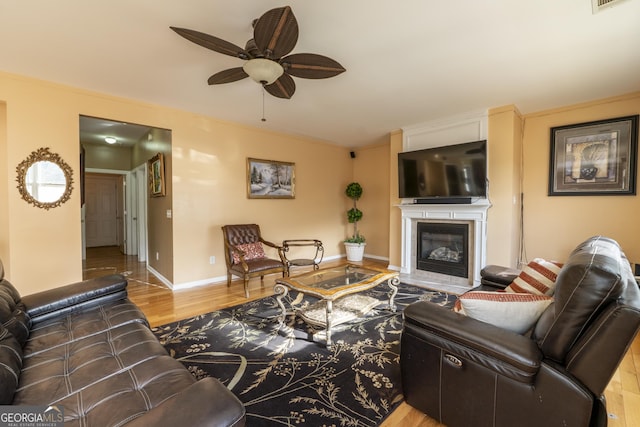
[110, 140]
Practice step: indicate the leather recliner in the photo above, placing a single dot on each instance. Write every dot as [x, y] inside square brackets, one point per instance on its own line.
[464, 372]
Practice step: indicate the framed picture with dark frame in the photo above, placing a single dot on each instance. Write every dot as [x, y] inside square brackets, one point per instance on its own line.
[156, 176]
[270, 179]
[594, 158]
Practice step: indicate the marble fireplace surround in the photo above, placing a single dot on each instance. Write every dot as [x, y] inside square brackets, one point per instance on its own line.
[474, 214]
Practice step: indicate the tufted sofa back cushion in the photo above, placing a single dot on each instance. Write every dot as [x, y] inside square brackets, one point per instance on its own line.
[595, 275]
[13, 314]
[10, 365]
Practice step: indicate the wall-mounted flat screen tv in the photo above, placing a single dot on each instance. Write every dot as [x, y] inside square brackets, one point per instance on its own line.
[451, 171]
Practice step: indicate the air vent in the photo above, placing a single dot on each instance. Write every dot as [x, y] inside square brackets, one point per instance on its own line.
[599, 5]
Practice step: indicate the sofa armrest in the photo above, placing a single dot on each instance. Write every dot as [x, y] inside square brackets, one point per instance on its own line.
[75, 297]
[503, 351]
[498, 276]
[206, 403]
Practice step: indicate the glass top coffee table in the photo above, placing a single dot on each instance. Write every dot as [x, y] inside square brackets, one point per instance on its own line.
[333, 284]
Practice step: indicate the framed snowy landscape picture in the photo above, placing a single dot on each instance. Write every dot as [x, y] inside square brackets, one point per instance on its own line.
[270, 179]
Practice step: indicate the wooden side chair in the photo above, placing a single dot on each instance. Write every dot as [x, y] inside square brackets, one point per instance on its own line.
[245, 256]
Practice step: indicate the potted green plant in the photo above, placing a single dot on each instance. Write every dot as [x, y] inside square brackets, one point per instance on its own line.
[355, 244]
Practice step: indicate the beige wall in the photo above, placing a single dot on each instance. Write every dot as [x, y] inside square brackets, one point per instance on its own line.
[208, 173]
[395, 215]
[160, 224]
[371, 170]
[44, 246]
[4, 190]
[504, 173]
[107, 157]
[554, 225]
[210, 187]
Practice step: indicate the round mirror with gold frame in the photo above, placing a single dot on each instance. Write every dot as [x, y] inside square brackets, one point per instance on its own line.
[44, 179]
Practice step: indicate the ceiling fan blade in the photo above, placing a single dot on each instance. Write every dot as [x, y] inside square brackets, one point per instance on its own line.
[276, 32]
[284, 87]
[227, 76]
[311, 66]
[210, 42]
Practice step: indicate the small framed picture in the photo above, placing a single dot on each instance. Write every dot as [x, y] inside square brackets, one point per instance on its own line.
[594, 158]
[156, 176]
[270, 179]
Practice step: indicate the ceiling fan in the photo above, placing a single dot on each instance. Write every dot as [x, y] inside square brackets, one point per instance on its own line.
[274, 35]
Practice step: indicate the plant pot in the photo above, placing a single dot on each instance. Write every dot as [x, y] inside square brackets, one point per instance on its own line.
[355, 251]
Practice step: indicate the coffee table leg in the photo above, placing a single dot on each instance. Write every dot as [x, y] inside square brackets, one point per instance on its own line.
[281, 291]
[329, 307]
[393, 284]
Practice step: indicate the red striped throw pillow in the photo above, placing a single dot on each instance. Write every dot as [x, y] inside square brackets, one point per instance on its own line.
[514, 312]
[538, 278]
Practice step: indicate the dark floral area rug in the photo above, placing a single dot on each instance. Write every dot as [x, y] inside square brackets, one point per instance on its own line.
[286, 376]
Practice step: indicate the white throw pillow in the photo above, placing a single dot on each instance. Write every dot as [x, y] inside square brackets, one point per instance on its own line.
[511, 311]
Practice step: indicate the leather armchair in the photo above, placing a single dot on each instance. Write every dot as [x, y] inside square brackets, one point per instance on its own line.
[245, 265]
[464, 372]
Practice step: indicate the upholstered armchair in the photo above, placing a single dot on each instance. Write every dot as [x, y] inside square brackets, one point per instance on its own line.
[464, 372]
[245, 256]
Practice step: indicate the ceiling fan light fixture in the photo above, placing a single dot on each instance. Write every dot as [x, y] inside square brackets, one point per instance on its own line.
[263, 71]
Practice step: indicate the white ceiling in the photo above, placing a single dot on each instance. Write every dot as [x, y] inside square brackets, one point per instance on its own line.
[407, 61]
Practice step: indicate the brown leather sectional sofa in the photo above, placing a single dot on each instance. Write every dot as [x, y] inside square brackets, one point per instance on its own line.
[464, 372]
[87, 349]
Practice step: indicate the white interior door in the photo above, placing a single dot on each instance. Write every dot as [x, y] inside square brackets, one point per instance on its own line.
[83, 232]
[141, 212]
[121, 231]
[132, 213]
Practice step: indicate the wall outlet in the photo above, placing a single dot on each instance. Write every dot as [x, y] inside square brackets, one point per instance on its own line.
[212, 260]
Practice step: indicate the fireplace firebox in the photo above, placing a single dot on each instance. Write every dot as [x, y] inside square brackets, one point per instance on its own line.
[443, 248]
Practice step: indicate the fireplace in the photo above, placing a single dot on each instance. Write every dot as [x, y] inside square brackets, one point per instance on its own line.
[471, 216]
[443, 248]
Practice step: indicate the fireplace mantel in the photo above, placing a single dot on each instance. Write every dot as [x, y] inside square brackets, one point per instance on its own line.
[474, 213]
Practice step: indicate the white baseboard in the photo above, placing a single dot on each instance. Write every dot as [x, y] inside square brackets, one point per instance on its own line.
[203, 282]
[219, 279]
[160, 277]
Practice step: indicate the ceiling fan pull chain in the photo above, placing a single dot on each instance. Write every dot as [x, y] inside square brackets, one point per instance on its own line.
[263, 90]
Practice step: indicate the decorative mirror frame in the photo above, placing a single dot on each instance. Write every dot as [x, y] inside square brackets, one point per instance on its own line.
[43, 154]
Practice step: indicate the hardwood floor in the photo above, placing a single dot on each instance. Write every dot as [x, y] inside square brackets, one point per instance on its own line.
[161, 306]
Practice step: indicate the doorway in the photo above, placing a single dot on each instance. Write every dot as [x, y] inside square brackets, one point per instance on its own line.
[113, 171]
[124, 149]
